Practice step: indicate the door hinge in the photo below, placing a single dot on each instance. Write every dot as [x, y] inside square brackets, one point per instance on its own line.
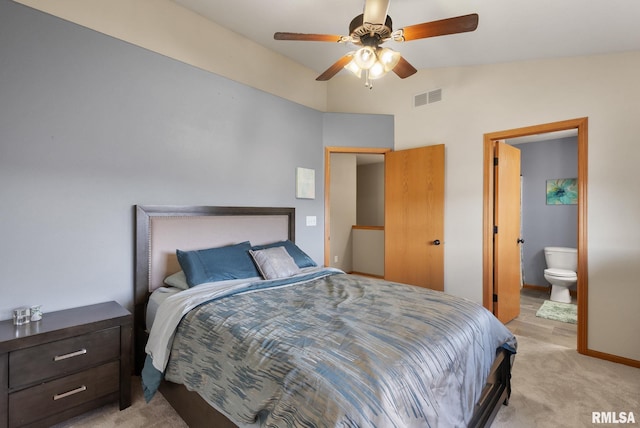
[495, 161]
[495, 229]
[495, 298]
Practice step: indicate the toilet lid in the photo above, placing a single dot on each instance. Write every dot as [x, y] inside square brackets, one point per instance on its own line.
[560, 272]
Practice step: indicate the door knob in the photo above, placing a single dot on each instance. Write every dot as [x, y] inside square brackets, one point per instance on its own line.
[436, 242]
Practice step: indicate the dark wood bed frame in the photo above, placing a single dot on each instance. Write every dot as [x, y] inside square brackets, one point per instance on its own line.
[195, 411]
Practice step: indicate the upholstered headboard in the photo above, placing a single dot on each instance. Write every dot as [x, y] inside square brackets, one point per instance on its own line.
[160, 230]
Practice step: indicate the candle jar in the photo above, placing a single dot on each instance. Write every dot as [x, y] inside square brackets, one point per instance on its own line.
[21, 316]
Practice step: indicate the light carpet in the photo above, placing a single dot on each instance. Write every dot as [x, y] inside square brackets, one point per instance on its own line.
[553, 386]
[157, 414]
[557, 311]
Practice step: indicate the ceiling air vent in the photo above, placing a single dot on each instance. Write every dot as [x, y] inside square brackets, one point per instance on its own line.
[427, 98]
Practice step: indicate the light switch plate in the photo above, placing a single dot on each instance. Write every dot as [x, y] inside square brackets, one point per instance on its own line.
[311, 220]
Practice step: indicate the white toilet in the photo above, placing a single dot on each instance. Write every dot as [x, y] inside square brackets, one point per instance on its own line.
[562, 264]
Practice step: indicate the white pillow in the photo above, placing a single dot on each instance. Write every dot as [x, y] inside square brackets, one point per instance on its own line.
[274, 262]
[178, 280]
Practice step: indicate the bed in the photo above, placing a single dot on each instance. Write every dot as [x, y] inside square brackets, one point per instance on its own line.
[351, 350]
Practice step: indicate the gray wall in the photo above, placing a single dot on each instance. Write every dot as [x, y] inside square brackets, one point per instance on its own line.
[343, 210]
[370, 205]
[358, 130]
[91, 126]
[546, 225]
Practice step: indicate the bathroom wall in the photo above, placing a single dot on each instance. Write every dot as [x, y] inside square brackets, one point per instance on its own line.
[546, 225]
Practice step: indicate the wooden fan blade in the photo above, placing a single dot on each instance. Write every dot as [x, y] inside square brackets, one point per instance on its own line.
[403, 69]
[335, 68]
[459, 24]
[307, 37]
[375, 11]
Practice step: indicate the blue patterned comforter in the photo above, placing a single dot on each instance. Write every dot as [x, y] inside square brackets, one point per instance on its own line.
[340, 351]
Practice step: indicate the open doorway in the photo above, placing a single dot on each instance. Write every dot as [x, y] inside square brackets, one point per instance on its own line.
[580, 126]
[548, 254]
[413, 231]
[341, 214]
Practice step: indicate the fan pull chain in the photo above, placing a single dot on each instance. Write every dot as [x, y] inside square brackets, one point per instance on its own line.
[367, 82]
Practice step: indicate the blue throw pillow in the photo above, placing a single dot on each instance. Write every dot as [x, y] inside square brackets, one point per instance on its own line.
[300, 257]
[217, 264]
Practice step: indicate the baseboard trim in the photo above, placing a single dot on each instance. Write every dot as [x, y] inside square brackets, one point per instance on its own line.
[537, 287]
[547, 289]
[613, 358]
[367, 274]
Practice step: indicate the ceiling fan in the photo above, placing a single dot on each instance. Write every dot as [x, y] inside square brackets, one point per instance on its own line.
[371, 29]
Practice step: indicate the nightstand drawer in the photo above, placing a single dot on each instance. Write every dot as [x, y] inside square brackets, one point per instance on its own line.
[38, 363]
[38, 402]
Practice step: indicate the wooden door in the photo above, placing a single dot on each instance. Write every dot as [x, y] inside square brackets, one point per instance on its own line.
[506, 259]
[414, 217]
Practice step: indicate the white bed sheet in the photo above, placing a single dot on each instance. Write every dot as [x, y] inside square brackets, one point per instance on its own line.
[158, 296]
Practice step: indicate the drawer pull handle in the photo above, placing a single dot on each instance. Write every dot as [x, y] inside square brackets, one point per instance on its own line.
[68, 393]
[70, 355]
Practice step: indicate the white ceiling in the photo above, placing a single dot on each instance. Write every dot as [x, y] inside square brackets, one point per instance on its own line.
[508, 30]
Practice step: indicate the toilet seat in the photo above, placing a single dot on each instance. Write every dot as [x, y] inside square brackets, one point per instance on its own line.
[560, 273]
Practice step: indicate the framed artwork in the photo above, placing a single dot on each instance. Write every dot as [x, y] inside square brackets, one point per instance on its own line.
[305, 183]
[562, 191]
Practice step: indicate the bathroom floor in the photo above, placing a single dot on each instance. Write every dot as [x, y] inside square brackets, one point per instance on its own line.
[527, 324]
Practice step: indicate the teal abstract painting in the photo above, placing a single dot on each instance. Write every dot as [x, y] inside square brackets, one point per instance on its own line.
[562, 191]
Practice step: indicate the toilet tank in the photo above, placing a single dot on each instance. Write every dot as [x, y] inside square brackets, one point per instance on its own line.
[561, 258]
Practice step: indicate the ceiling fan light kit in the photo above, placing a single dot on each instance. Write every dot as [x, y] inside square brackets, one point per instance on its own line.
[371, 29]
[365, 57]
[373, 63]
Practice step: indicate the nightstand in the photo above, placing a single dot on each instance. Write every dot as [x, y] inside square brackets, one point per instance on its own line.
[69, 362]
